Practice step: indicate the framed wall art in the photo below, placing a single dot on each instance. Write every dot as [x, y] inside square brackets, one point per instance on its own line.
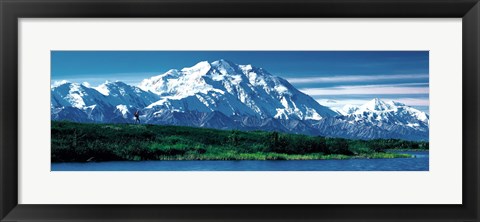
[227, 110]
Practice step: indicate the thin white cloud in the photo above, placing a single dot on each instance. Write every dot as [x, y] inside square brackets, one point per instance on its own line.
[368, 89]
[363, 78]
[381, 85]
[339, 103]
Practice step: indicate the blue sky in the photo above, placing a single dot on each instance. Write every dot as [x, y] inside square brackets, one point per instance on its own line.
[333, 78]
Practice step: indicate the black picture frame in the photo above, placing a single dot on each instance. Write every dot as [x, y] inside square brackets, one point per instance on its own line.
[11, 11]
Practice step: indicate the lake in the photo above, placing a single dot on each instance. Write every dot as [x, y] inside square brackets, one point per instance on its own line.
[419, 163]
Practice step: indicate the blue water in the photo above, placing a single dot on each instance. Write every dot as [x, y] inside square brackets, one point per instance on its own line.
[419, 163]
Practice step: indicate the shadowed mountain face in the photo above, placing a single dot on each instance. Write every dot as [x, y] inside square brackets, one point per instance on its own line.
[225, 95]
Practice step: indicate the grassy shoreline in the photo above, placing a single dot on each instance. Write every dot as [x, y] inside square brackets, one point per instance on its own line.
[82, 142]
[282, 156]
[403, 150]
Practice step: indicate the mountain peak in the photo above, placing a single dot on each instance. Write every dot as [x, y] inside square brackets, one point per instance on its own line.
[395, 103]
[225, 67]
[115, 83]
[223, 61]
[201, 67]
[376, 101]
[106, 87]
[375, 104]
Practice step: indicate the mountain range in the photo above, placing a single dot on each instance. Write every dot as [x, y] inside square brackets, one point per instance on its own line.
[225, 95]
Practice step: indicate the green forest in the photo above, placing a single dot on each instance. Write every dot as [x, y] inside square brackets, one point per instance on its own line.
[80, 142]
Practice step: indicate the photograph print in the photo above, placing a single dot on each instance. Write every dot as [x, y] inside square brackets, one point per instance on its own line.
[239, 110]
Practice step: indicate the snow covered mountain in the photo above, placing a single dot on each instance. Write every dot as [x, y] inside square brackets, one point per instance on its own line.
[109, 102]
[225, 95]
[377, 112]
[378, 119]
[233, 90]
